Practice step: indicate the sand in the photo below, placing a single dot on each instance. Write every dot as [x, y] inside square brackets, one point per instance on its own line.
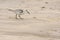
[43, 23]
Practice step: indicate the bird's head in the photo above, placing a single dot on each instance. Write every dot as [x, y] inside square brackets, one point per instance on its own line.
[27, 12]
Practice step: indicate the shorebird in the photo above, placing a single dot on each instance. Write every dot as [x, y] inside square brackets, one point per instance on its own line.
[18, 12]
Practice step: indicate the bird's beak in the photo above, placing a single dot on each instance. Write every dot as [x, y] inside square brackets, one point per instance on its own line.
[28, 12]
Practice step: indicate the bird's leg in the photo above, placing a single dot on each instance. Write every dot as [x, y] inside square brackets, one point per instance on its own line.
[16, 16]
[20, 17]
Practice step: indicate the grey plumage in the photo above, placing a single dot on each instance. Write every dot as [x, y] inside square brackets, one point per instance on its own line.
[18, 12]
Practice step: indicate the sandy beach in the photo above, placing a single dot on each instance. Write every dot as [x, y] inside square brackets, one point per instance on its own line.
[43, 23]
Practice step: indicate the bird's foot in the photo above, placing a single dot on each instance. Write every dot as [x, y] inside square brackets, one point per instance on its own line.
[22, 18]
[16, 18]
